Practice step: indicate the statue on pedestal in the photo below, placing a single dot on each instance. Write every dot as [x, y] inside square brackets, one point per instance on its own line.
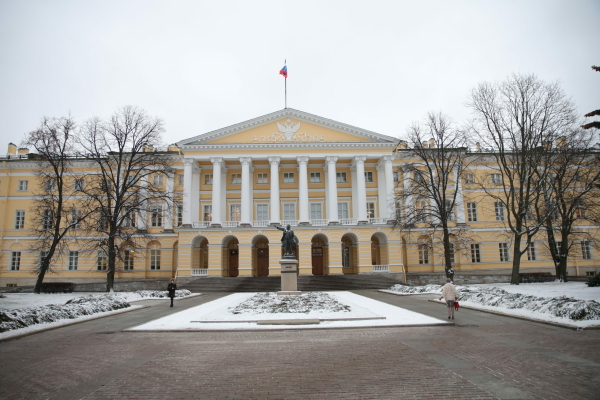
[288, 241]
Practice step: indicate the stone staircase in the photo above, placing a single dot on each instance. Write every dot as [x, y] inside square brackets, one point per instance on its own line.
[306, 283]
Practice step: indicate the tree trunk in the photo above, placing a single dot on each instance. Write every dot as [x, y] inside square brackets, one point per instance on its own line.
[564, 259]
[40, 278]
[514, 280]
[447, 261]
[110, 275]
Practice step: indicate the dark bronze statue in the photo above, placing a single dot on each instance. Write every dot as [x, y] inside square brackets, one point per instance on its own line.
[288, 241]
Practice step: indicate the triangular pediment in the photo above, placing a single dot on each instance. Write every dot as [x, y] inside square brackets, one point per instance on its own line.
[287, 126]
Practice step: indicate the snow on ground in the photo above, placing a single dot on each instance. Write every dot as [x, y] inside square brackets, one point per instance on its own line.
[573, 303]
[356, 311]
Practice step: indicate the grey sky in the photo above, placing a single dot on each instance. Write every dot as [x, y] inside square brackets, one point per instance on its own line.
[203, 65]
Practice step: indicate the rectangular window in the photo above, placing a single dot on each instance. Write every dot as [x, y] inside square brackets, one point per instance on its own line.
[23, 185]
[452, 260]
[421, 211]
[449, 210]
[48, 219]
[156, 214]
[475, 253]
[155, 259]
[316, 211]
[531, 256]
[288, 177]
[368, 177]
[396, 179]
[131, 181]
[130, 218]
[496, 179]
[103, 221]
[590, 273]
[102, 261]
[289, 211]
[343, 211]
[262, 212]
[73, 260]
[340, 177]
[370, 210]
[19, 219]
[235, 212]
[43, 254]
[263, 178]
[128, 259]
[399, 210]
[472, 212]
[469, 179]
[236, 179]
[158, 180]
[315, 177]
[180, 180]
[499, 208]
[179, 214]
[586, 250]
[558, 246]
[419, 177]
[15, 261]
[75, 218]
[208, 179]
[78, 185]
[423, 254]
[503, 249]
[50, 185]
[580, 210]
[207, 215]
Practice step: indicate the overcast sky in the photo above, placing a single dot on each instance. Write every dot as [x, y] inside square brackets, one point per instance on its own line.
[204, 65]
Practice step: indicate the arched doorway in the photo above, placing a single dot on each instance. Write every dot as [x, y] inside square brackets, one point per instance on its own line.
[231, 256]
[260, 255]
[379, 251]
[200, 253]
[319, 254]
[349, 253]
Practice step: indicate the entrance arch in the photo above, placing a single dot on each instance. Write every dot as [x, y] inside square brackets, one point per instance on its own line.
[199, 252]
[319, 254]
[379, 249]
[349, 253]
[260, 256]
[231, 255]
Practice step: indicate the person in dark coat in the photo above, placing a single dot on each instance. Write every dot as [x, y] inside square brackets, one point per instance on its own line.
[171, 289]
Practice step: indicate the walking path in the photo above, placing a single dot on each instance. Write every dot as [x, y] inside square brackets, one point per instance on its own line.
[484, 356]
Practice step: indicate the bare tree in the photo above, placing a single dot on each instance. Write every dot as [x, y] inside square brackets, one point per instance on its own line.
[431, 188]
[595, 113]
[516, 119]
[125, 152]
[55, 211]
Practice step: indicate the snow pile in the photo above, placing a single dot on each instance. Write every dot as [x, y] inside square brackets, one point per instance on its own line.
[416, 289]
[145, 294]
[271, 303]
[74, 308]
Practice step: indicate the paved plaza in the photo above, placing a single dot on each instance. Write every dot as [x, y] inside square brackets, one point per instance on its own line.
[484, 356]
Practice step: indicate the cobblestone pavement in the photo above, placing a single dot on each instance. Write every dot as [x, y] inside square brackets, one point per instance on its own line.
[484, 356]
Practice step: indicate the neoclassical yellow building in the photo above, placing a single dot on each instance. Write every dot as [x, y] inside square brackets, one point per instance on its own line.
[334, 183]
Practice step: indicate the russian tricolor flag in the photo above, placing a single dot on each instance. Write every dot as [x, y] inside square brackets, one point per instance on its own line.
[283, 71]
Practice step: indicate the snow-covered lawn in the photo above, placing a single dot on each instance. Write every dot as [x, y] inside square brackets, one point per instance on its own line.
[332, 309]
[573, 303]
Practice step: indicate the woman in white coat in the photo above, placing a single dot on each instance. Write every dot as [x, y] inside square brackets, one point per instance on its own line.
[449, 294]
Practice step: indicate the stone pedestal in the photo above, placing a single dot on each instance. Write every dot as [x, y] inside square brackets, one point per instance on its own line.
[289, 277]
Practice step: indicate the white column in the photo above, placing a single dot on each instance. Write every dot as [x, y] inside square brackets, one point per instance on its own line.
[187, 191]
[407, 188]
[142, 221]
[303, 190]
[169, 206]
[216, 192]
[332, 212]
[195, 203]
[361, 190]
[390, 190]
[246, 205]
[460, 201]
[274, 205]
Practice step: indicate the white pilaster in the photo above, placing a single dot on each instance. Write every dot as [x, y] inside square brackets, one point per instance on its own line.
[196, 193]
[216, 192]
[274, 205]
[188, 164]
[142, 221]
[390, 191]
[168, 206]
[246, 205]
[361, 189]
[460, 201]
[303, 190]
[407, 188]
[332, 199]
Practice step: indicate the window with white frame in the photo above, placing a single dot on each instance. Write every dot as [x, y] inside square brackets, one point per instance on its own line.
[236, 179]
[586, 250]
[398, 210]
[396, 178]
[472, 212]
[475, 253]
[75, 218]
[579, 209]
[158, 180]
[48, 219]
[452, 252]
[130, 218]
[235, 212]
[370, 209]
[23, 185]
[368, 177]
[179, 214]
[288, 177]
[503, 249]
[78, 185]
[155, 259]
[131, 181]
[103, 220]
[207, 214]
[262, 212]
[343, 212]
[262, 178]
[421, 210]
[340, 177]
[496, 179]
[73, 260]
[423, 254]
[19, 219]
[499, 209]
[558, 246]
[469, 178]
[289, 211]
[156, 215]
[316, 211]
[101, 260]
[50, 185]
[531, 254]
[315, 177]
[42, 255]
[180, 180]
[208, 179]
[15, 261]
[128, 259]
[419, 177]
[449, 210]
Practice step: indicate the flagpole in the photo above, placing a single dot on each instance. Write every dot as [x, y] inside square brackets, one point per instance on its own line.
[285, 84]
